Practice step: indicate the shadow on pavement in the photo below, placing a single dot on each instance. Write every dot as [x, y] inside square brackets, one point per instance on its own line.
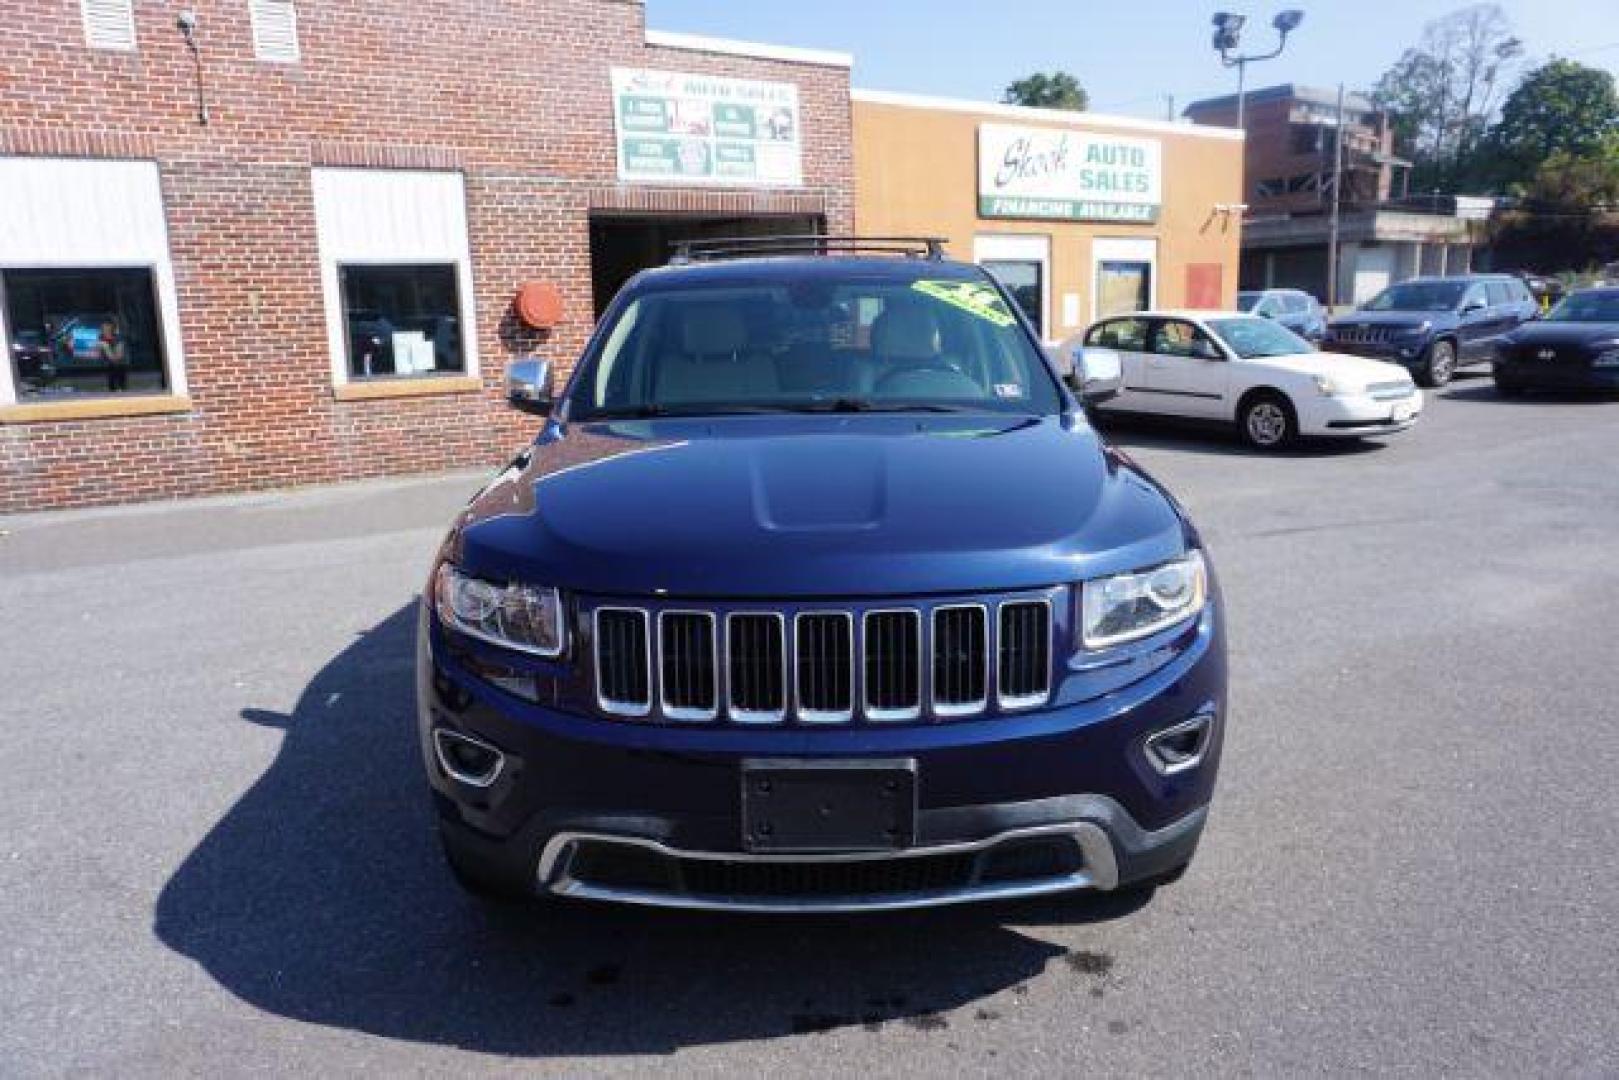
[321, 897]
[1213, 439]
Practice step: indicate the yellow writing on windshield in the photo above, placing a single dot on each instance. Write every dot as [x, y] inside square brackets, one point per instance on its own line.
[971, 297]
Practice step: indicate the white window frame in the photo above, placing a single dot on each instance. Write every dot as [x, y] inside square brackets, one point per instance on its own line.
[129, 197]
[258, 10]
[1022, 247]
[127, 12]
[1123, 249]
[392, 217]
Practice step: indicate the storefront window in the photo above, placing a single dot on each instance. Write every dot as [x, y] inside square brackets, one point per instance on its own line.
[83, 331]
[1123, 287]
[1022, 278]
[402, 320]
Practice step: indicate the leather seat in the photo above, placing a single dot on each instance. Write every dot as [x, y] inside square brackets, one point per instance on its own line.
[713, 362]
[908, 347]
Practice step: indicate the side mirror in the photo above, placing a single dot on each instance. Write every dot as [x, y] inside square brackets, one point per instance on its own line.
[1473, 305]
[1266, 313]
[1098, 374]
[528, 386]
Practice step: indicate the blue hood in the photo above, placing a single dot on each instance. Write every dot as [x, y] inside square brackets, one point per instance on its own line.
[802, 506]
[1395, 319]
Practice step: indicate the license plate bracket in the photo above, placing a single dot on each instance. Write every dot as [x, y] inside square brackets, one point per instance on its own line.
[816, 807]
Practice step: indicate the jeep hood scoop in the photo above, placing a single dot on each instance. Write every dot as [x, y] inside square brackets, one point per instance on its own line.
[817, 506]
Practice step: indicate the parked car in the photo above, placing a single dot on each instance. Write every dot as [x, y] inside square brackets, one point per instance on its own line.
[1255, 373]
[31, 357]
[1575, 347]
[793, 617]
[1297, 310]
[1435, 325]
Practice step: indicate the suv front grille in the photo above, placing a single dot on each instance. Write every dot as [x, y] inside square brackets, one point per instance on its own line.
[820, 666]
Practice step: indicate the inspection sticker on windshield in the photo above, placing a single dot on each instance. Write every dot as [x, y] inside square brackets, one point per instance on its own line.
[1008, 390]
[969, 296]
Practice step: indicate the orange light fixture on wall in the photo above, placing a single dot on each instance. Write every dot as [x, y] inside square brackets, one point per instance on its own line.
[539, 304]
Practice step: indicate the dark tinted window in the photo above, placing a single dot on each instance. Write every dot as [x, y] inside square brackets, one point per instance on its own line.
[1593, 306]
[402, 320]
[83, 332]
[1127, 334]
[1418, 296]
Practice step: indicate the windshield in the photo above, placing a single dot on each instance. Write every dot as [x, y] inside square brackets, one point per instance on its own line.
[1418, 296]
[1252, 338]
[1587, 307]
[1247, 300]
[881, 345]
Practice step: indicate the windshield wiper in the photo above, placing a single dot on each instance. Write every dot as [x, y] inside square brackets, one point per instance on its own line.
[855, 404]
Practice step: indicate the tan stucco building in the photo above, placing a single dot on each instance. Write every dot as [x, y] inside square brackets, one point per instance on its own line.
[1079, 215]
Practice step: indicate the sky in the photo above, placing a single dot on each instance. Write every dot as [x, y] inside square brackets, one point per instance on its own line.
[1128, 55]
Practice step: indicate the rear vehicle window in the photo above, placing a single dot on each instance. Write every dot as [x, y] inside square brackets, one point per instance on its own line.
[1587, 307]
[1127, 334]
[1501, 292]
[937, 344]
[1296, 303]
[1247, 300]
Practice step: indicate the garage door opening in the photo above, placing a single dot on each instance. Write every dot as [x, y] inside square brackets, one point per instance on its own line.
[623, 245]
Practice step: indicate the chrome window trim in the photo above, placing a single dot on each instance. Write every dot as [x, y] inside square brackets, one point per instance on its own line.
[820, 716]
[968, 708]
[681, 713]
[1025, 701]
[890, 716]
[622, 708]
[757, 716]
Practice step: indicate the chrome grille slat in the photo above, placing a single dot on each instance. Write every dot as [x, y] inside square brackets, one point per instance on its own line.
[756, 659]
[960, 659]
[893, 664]
[688, 665]
[1024, 654]
[623, 650]
[823, 658]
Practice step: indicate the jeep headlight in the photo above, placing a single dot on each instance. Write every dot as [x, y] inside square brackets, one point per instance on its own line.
[522, 617]
[1127, 607]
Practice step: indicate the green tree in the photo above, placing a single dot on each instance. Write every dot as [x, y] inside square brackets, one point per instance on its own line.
[1560, 108]
[1585, 183]
[1059, 90]
[1442, 92]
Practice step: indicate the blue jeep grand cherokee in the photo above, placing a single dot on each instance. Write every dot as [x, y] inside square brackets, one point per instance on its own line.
[817, 592]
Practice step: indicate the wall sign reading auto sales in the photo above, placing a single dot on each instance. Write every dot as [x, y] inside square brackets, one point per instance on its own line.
[704, 129]
[1026, 172]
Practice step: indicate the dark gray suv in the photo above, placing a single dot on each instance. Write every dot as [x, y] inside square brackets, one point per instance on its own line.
[1435, 325]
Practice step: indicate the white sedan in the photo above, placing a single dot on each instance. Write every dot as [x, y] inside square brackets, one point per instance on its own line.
[1247, 370]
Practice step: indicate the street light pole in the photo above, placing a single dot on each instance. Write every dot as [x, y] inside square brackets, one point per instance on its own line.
[1337, 201]
[1228, 35]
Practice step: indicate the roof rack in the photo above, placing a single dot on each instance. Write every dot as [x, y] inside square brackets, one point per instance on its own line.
[745, 247]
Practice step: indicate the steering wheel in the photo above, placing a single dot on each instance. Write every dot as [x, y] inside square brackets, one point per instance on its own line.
[908, 366]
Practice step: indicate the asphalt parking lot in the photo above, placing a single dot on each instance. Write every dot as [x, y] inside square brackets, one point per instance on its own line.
[218, 853]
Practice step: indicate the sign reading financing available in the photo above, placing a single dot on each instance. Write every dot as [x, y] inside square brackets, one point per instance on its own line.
[675, 128]
[1028, 172]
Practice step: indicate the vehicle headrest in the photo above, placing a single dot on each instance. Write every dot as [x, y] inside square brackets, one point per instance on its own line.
[712, 330]
[909, 332]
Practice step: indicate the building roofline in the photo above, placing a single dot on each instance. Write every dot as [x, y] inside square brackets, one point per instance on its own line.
[1048, 116]
[669, 39]
[1313, 95]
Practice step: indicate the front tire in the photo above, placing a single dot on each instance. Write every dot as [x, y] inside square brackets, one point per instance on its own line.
[1440, 365]
[1268, 422]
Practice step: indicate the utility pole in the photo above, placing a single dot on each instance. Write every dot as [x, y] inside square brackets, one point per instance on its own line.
[1337, 201]
[1169, 107]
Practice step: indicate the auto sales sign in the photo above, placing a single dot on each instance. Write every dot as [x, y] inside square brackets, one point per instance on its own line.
[1040, 172]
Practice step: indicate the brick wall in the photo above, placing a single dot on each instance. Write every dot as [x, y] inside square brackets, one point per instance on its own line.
[516, 95]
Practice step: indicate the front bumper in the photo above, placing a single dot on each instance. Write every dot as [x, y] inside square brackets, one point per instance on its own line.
[1056, 800]
[1407, 352]
[1359, 415]
[1553, 376]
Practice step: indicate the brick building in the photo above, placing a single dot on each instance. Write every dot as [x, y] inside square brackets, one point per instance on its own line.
[284, 247]
[1386, 233]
